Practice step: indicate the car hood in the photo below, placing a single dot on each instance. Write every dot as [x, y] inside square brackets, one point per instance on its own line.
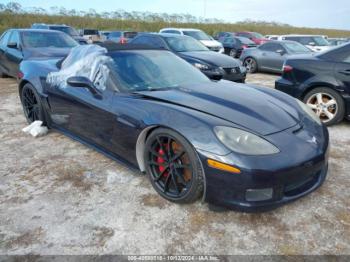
[246, 106]
[210, 43]
[45, 52]
[212, 58]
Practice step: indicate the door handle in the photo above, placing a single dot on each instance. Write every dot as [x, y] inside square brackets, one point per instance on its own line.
[345, 72]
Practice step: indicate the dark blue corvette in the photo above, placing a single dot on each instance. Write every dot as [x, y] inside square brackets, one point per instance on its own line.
[238, 146]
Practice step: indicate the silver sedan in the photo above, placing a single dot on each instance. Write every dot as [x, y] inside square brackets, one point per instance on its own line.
[271, 55]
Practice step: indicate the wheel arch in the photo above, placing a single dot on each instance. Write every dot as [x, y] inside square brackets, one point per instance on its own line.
[140, 146]
[317, 85]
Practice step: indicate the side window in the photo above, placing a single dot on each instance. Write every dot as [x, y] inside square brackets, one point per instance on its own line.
[157, 42]
[14, 38]
[5, 38]
[271, 47]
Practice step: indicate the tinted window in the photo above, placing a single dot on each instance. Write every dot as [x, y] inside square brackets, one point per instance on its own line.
[152, 41]
[306, 40]
[229, 40]
[130, 34]
[271, 47]
[5, 38]
[142, 40]
[171, 32]
[147, 70]
[14, 37]
[199, 35]
[90, 32]
[246, 41]
[185, 44]
[40, 39]
[296, 48]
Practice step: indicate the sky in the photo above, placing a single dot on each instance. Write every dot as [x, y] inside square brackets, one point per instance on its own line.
[333, 14]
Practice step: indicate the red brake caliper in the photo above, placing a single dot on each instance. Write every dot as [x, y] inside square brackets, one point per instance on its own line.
[161, 160]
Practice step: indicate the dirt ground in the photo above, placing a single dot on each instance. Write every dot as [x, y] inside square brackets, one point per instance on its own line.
[59, 197]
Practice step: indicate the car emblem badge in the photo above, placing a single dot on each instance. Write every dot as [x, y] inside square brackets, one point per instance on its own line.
[313, 140]
[233, 70]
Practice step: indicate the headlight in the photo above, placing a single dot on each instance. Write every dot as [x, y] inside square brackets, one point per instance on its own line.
[244, 142]
[309, 112]
[201, 66]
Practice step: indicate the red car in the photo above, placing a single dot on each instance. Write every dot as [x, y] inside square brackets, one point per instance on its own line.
[255, 37]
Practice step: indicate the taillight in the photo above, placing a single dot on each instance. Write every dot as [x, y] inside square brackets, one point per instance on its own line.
[287, 68]
[244, 46]
[20, 75]
[123, 40]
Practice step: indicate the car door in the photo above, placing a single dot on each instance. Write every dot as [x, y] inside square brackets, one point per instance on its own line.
[342, 68]
[272, 56]
[83, 114]
[13, 53]
[3, 46]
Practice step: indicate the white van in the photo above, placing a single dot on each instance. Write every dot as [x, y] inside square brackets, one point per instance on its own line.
[205, 39]
[316, 43]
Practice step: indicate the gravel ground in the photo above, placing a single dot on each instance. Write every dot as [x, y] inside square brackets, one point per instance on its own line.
[59, 197]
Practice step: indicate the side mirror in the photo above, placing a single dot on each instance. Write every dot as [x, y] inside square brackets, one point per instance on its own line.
[280, 51]
[82, 81]
[12, 45]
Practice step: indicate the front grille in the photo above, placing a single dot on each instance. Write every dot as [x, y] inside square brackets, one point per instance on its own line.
[233, 70]
[300, 186]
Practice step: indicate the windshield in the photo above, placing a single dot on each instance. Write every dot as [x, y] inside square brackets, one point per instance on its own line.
[185, 44]
[153, 70]
[199, 35]
[65, 29]
[257, 35]
[246, 41]
[47, 39]
[297, 48]
[307, 40]
[91, 32]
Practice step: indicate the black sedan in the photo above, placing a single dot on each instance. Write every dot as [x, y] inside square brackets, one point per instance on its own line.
[322, 81]
[238, 146]
[269, 57]
[235, 45]
[214, 65]
[17, 45]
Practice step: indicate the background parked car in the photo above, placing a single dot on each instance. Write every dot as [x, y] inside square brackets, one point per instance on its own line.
[104, 35]
[63, 28]
[17, 45]
[272, 37]
[219, 35]
[205, 39]
[121, 37]
[253, 36]
[322, 81]
[234, 45]
[316, 43]
[91, 35]
[212, 64]
[271, 55]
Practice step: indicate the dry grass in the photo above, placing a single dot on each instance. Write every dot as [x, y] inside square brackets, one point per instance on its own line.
[11, 20]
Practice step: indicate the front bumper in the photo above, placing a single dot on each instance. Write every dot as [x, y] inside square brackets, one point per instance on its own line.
[266, 182]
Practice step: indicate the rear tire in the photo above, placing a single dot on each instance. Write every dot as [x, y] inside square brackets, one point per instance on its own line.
[251, 65]
[32, 105]
[327, 104]
[181, 180]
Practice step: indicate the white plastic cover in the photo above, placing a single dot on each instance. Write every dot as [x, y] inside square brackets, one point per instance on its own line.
[83, 60]
[36, 129]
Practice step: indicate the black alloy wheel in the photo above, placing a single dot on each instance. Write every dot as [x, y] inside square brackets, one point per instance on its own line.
[31, 103]
[173, 166]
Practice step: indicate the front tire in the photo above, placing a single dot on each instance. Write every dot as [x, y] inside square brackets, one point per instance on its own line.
[327, 104]
[251, 65]
[32, 105]
[173, 166]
